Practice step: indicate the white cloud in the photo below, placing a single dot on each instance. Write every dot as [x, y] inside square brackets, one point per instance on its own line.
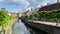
[25, 4]
[1, 0]
[29, 8]
[16, 3]
[21, 2]
[39, 6]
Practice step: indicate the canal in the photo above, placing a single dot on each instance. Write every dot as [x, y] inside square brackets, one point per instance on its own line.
[21, 28]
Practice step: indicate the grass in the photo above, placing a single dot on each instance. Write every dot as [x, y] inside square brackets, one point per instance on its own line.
[13, 27]
[12, 17]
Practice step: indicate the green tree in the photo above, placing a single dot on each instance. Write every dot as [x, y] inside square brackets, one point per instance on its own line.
[32, 16]
[4, 17]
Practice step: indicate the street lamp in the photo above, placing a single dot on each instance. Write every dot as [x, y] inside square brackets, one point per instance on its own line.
[57, 21]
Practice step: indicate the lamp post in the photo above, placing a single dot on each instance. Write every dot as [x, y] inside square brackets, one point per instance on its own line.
[57, 21]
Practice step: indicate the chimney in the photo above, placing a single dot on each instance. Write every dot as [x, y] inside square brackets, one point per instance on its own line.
[48, 3]
[41, 6]
[58, 1]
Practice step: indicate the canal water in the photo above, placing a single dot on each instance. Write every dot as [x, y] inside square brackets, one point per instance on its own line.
[20, 28]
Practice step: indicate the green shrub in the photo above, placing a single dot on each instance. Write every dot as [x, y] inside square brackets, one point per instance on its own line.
[46, 15]
[12, 17]
[4, 17]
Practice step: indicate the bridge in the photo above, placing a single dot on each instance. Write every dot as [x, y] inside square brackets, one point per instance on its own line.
[17, 14]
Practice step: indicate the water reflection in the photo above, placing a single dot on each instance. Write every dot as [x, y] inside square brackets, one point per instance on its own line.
[19, 28]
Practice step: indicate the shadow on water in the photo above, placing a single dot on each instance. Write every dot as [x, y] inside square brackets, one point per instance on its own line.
[34, 30]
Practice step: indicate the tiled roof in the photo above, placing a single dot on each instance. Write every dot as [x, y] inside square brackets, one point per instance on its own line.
[50, 7]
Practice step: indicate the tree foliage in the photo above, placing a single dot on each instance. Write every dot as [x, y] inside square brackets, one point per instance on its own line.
[4, 17]
[47, 15]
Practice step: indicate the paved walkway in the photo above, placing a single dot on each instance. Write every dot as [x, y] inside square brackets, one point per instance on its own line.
[9, 27]
[47, 23]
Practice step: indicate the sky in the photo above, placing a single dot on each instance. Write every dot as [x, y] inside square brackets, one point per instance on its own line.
[23, 5]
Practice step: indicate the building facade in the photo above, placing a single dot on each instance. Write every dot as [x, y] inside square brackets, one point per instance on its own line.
[50, 7]
[28, 12]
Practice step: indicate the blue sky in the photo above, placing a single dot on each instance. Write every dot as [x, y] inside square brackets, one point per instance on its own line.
[23, 5]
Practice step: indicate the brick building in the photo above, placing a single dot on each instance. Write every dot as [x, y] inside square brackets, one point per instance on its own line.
[50, 7]
[28, 12]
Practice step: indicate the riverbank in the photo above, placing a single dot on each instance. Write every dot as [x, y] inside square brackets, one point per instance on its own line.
[49, 29]
[8, 30]
[36, 27]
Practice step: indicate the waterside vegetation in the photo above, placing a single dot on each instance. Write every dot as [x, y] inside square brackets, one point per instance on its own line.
[45, 15]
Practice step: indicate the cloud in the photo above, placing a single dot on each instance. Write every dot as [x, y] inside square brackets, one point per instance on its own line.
[25, 4]
[53, 1]
[29, 8]
[1, 0]
[38, 6]
[33, 2]
[19, 3]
